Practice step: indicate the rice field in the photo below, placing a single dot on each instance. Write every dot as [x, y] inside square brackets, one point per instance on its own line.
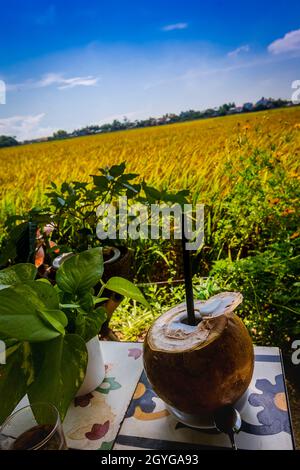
[187, 155]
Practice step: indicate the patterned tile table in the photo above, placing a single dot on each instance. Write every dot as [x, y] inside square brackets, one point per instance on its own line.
[124, 412]
[266, 417]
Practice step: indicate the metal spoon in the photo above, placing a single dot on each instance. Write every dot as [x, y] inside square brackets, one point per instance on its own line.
[228, 420]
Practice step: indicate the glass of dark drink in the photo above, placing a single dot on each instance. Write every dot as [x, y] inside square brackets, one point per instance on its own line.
[35, 427]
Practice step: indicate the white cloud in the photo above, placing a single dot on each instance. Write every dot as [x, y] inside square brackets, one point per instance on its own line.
[55, 79]
[78, 81]
[24, 127]
[289, 43]
[64, 83]
[239, 50]
[173, 27]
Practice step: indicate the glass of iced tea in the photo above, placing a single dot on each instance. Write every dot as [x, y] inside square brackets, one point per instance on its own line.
[35, 427]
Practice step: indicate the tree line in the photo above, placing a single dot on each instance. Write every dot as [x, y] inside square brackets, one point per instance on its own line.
[169, 118]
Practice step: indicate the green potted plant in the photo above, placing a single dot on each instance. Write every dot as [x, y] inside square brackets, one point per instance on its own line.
[47, 329]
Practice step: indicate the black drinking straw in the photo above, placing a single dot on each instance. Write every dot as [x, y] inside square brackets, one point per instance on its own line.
[187, 277]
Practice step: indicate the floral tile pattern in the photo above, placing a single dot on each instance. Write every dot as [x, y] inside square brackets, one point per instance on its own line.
[274, 417]
[143, 406]
[108, 385]
[136, 353]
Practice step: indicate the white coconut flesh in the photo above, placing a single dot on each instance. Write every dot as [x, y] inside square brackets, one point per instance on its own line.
[172, 333]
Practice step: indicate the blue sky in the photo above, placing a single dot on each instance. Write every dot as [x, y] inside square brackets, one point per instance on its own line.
[67, 63]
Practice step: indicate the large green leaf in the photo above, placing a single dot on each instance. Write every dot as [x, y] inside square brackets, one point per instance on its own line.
[126, 288]
[19, 311]
[15, 376]
[60, 367]
[46, 293]
[81, 272]
[16, 274]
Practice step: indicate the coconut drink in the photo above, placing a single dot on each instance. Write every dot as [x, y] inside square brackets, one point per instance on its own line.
[197, 368]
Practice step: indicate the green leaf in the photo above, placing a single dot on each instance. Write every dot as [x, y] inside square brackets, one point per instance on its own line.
[101, 182]
[100, 300]
[81, 272]
[18, 236]
[15, 376]
[89, 325]
[117, 170]
[178, 198]
[61, 366]
[55, 318]
[44, 280]
[24, 239]
[46, 293]
[127, 177]
[19, 311]
[86, 301]
[152, 193]
[17, 273]
[133, 190]
[126, 288]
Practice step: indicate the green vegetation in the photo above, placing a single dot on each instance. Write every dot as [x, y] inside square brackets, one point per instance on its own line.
[245, 169]
[6, 141]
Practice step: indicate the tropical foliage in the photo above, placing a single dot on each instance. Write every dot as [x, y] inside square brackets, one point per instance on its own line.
[46, 328]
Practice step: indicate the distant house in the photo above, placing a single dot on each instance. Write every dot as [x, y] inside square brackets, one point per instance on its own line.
[232, 110]
[248, 107]
[39, 140]
[262, 102]
[235, 110]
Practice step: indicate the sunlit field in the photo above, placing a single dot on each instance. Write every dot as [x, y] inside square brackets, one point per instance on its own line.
[189, 155]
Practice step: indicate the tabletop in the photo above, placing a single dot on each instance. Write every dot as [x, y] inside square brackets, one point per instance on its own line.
[124, 413]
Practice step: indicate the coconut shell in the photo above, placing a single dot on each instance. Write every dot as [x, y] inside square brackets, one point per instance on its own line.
[199, 369]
